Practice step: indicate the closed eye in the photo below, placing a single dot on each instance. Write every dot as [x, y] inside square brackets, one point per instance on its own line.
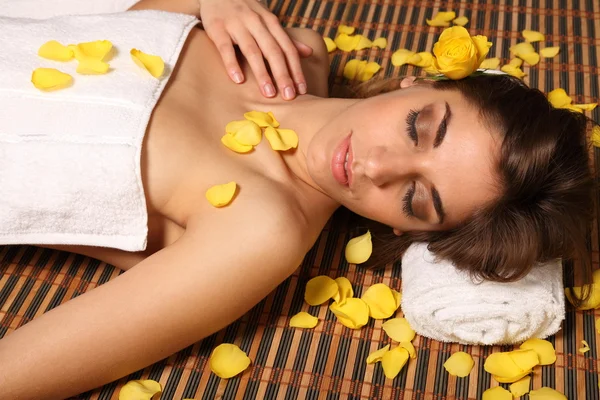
[408, 200]
[411, 120]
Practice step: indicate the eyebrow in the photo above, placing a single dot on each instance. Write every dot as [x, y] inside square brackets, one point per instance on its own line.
[441, 131]
[437, 204]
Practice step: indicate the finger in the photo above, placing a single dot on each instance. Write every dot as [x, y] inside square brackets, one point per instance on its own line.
[253, 54]
[225, 47]
[303, 49]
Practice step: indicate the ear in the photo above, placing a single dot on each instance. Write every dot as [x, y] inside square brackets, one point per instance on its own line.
[397, 232]
[407, 82]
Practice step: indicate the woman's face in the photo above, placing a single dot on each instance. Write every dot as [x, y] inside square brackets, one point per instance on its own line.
[417, 159]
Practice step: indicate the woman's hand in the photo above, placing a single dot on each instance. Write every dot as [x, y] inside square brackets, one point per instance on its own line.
[258, 33]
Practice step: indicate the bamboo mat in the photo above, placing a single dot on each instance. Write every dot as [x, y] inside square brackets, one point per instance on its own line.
[328, 362]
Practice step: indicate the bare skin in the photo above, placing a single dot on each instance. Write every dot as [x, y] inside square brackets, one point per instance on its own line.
[179, 290]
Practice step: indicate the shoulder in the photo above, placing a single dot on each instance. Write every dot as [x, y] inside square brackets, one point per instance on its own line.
[315, 67]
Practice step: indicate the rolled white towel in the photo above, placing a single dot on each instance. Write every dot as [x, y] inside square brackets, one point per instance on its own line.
[443, 303]
[42, 9]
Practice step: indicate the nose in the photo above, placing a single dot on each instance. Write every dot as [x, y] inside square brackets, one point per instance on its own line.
[384, 166]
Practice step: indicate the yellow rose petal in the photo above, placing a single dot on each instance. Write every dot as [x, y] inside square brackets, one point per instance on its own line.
[348, 30]
[381, 301]
[92, 66]
[516, 62]
[508, 367]
[244, 132]
[460, 21]
[377, 354]
[459, 364]
[345, 290]
[445, 16]
[359, 249]
[330, 44]
[398, 329]
[368, 71]
[303, 320]
[543, 348]
[530, 58]
[533, 36]
[351, 69]
[510, 379]
[49, 79]
[139, 390]
[520, 387]
[586, 107]
[346, 43]
[550, 52]
[483, 47]
[354, 313]
[229, 141]
[525, 359]
[585, 347]
[393, 361]
[319, 289]
[363, 43]
[514, 71]
[281, 139]
[423, 59]
[227, 360]
[221, 195]
[546, 393]
[410, 348]
[98, 49]
[53, 50]
[522, 48]
[437, 22]
[598, 319]
[262, 119]
[490, 63]
[151, 63]
[497, 393]
[397, 297]
[401, 57]
[380, 42]
[559, 98]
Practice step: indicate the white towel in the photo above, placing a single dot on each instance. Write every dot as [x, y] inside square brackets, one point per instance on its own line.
[443, 303]
[70, 159]
[40, 9]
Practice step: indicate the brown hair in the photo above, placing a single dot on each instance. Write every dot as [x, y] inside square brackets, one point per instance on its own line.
[546, 206]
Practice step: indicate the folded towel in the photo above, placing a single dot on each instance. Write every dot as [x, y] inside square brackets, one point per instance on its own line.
[443, 303]
[41, 9]
[70, 160]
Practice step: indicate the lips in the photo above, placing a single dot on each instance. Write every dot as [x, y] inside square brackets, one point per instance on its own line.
[342, 158]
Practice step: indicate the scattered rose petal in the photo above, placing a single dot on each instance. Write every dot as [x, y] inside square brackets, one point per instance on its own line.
[369, 70]
[354, 313]
[401, 57]
[531, 58]
[229, 141]
[586, 107]
[585, 347]
[139, 390]
[381, 301]
[49, 79]
[348, 30]
[398, 329]
[359, 249]
[410, 348]
[397, 297]
[244, 132]
[221, 195]
[559, 98]
[508, 367]
[363, 43]
[543, 348]
[550, 52]
[490, 63]
[522, 48]
[345, 290]
[262, 119]
[92, 66]
[546, 393]
[377, 354]
[319, 289]
[445, 16]
[227, 360]
[512, 70]
[437, 22]
[533, 36]
[98, 49]
[303, 320]
[393, 361]
[351, 68]
[380, 42]
[331, 46]
[520, 387]
[497, 393]
[460, 21]
[516, 62]
[281, 139]
[459, 364]
[593, 301]
[346, 43]
[151, 63]
[53, 50]
[423, 59]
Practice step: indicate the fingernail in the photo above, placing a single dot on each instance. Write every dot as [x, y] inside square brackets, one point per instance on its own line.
[269, 90]
[237, 77]
[289, 93]
[302, 88]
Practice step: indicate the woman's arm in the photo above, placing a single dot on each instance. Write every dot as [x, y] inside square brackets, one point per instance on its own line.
[193, 288]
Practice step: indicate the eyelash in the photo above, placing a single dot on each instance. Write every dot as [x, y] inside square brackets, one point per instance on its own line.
[411, 119]
[407, 201]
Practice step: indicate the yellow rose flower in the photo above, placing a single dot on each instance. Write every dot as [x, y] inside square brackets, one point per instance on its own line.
[458, 54]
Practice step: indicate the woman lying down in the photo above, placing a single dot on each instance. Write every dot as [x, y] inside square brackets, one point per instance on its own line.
[117, 167]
